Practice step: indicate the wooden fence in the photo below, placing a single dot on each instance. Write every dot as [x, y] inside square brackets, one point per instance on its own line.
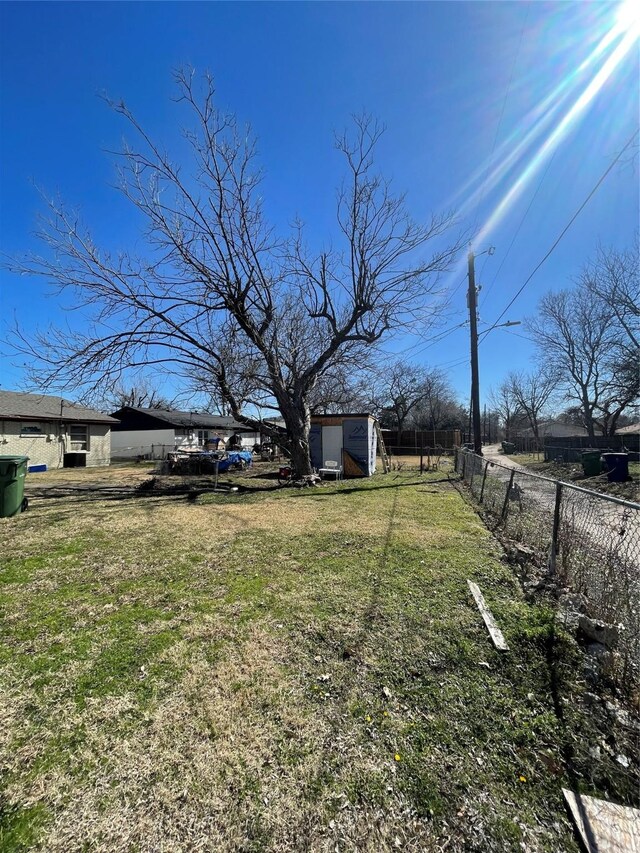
[415, 439]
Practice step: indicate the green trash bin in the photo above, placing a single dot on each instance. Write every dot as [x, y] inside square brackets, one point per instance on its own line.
[591, 463]
[13, 470]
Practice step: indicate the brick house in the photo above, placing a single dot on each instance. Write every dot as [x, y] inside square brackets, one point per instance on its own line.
[53, 431]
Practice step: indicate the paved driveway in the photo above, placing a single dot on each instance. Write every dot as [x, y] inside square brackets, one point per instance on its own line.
[494, 453]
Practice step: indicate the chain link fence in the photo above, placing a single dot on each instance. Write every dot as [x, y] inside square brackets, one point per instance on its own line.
[591, 542]
[420, 460]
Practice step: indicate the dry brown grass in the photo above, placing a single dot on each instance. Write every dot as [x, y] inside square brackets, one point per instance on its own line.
[224, 762]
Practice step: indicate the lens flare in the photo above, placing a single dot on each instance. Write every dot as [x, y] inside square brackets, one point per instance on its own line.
[627, 18]
[551, 121]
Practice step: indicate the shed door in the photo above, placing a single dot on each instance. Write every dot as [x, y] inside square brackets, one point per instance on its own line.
[332, 444]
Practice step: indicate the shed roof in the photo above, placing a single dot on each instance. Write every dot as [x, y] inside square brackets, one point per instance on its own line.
[17, 406]
[344, 415]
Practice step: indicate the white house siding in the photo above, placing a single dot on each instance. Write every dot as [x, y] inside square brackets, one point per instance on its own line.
[100, 436]
[49, 447]
[156, 443]
[131, 443]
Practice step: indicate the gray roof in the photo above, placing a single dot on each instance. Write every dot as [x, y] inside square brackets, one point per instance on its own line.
[554, 429]
[16, 406]
[628, 430]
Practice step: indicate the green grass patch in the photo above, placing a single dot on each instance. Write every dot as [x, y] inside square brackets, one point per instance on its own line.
[281, 669]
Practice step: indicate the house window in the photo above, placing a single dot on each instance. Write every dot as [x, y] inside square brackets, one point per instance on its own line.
[78, 437]
[32, 430]
[203, 436]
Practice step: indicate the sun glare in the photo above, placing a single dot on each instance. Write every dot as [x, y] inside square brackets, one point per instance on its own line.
[562, 109]
[627, 17]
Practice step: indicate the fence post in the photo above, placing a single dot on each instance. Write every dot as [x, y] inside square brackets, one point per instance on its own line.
[556, 530]
[484, 477]
[464, 465]
[505, 505]
[421, 456]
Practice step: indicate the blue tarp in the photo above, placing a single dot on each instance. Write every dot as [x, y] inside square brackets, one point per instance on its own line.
[235, 457]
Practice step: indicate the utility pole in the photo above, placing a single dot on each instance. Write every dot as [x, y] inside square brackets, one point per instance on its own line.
[475, 376]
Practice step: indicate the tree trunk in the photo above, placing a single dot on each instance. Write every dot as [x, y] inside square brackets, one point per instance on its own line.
[590, 425]
[298, 423]
[614, 421]
[300, 459]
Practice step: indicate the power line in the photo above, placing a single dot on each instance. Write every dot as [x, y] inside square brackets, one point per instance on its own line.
[440, 337]
[566, 228]
[420, 346]
[458, 286]
[454, 363]
[518, 335]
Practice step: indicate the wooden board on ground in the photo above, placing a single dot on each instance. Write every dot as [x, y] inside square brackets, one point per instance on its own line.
[604, 827]
[496, 634]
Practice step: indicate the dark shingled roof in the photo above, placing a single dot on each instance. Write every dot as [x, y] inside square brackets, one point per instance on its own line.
[185, 419]
[198, 420]
[16, 406]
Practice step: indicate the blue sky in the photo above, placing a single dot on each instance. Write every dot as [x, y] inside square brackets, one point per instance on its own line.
[462, 87]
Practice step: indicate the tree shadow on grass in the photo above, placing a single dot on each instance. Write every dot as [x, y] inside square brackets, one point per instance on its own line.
[150, 492]
[372, 490]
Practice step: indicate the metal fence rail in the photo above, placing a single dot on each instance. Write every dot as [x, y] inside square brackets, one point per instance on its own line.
[591, 541]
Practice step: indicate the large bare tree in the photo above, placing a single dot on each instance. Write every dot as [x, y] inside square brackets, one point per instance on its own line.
[572, 334]
[589, 337]
[613, 280]
[219, 295]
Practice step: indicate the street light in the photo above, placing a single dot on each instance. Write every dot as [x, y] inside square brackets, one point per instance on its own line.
[500, 326]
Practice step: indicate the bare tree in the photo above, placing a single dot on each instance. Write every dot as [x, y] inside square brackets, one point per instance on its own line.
[589, 337]
[439, 408]
[613, 280]
[341, 390]
[503, 402]
[398, 391]
[140, 395]
[572, 335]
[531, 393]
[219, 295]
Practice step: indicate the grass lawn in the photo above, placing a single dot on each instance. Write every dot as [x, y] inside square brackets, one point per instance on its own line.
[527, 458]
[280, 670]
